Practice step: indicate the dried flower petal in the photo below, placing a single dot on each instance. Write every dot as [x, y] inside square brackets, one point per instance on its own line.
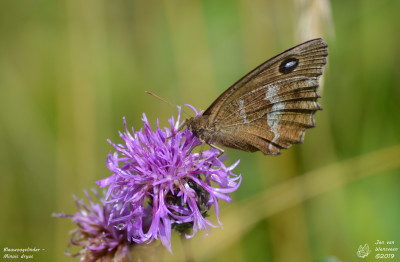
[99, 239]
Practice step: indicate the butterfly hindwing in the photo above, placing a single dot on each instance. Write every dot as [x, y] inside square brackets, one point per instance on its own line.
[278, 132]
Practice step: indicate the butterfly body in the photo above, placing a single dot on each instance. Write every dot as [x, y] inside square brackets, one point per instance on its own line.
[269, 108]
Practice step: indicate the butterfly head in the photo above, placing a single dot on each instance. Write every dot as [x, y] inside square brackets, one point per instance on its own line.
[198, 126]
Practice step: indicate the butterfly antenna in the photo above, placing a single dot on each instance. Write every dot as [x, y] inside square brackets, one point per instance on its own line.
[165, 101]
[162, 99]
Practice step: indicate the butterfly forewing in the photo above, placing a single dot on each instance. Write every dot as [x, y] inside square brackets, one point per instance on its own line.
[270, 107]
[258, 102]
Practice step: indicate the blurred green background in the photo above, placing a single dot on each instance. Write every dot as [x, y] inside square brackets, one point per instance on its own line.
[71, 69]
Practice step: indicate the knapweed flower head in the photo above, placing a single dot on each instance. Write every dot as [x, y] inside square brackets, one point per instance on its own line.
[158, 184]
[99, 239]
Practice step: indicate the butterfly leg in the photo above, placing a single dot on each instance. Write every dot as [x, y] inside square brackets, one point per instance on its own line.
[166, 140]
[218, 148]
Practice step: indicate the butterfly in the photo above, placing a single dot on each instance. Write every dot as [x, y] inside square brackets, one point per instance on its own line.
[269, 108]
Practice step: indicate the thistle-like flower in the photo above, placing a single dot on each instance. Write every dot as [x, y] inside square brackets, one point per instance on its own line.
[159, 184]
[99, 239]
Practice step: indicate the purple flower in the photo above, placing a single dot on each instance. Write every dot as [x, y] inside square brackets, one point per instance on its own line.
[100, 240]
[163, 185]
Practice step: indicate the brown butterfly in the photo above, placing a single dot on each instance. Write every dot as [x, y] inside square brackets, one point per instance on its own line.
[269, 108]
